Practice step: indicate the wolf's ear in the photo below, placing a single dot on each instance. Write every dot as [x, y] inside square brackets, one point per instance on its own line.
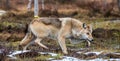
[84, 26]
[89, 27]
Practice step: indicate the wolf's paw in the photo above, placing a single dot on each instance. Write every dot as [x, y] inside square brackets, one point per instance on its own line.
[65, 52]
[46, 47]
[87, 46]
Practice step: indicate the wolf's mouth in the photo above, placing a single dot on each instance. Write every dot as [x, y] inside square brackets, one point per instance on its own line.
[78, 39]
[90, 40]
[73, 38]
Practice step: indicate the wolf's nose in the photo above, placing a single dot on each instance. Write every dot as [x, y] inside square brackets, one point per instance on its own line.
[92, 40]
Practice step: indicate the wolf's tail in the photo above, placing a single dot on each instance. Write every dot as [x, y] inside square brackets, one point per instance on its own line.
[27, 37]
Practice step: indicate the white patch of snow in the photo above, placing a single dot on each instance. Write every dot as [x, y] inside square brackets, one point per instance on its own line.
[116, 53]
[101, 59]
[97, 53]
[52, 54]
[79, 52]
[17, 52]
[75, 59]
[66, 58]
[50, 58]
[2, 12]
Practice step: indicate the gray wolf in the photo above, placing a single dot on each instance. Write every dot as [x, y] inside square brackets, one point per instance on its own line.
[57, 28]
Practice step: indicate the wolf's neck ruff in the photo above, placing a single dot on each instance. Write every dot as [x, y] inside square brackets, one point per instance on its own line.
[77, 28]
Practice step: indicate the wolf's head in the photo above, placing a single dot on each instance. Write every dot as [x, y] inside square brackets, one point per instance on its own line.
[85, 33]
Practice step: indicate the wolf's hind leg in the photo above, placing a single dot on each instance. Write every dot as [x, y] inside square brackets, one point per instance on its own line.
[38, 40]
[25, 48]
[31, 42]
[24, 39]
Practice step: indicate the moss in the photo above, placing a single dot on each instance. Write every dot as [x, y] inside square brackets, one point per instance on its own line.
[9, 24]
[25, 59]
[42, 58]
[13, 45]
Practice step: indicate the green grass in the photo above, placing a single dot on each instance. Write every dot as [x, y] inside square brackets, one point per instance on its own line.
[42, 57]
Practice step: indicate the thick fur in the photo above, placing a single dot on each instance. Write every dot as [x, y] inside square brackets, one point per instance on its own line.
[56, 28]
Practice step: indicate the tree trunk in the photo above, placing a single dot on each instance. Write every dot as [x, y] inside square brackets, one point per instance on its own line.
[118, 4]
[7, 4]
[43, 7]
[29, 5]
[104, 5]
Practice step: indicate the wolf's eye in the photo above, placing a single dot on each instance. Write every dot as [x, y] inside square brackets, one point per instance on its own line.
[87, 33]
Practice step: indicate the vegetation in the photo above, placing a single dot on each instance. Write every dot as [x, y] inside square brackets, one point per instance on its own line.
[106, 26]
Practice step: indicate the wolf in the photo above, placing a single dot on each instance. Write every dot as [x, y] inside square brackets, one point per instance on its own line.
[59, 29]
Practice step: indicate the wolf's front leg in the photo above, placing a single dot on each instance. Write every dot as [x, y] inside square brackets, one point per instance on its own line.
[89, 44]
[62, 44]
